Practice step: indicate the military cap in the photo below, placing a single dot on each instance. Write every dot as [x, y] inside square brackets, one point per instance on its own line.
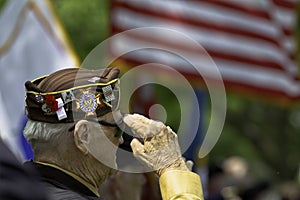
[72, 94]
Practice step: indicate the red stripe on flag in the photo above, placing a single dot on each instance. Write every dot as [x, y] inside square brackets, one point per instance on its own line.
[286, 4]
[237, 6]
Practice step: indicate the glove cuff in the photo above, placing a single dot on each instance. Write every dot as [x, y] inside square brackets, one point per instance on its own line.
[178, 164]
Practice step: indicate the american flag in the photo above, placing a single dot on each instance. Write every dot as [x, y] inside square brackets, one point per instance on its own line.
[252, 42]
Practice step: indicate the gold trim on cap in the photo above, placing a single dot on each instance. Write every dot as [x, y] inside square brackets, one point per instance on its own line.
[73, 88]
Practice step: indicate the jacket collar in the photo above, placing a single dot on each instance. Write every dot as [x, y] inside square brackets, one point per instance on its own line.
[65, 178]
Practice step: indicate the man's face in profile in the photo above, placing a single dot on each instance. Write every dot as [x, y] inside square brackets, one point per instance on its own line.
[103, 142]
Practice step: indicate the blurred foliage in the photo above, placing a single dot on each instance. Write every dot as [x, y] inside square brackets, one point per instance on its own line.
[267, 135]
[86, 22]
[2, 2]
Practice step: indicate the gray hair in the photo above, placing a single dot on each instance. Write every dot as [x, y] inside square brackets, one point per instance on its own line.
[35, 130]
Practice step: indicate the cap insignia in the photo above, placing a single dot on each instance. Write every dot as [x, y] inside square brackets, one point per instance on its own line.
[108, 93]
[88, 102]
[39, 98]
[68, 96]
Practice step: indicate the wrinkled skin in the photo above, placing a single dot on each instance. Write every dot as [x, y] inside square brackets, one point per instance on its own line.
[160, 151]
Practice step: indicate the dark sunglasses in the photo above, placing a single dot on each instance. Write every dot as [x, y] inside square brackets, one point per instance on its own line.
[119, 126]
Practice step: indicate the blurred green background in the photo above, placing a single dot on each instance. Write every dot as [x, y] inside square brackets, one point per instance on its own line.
[264, 133]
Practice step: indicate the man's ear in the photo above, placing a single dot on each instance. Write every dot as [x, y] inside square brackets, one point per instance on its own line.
[81, 135]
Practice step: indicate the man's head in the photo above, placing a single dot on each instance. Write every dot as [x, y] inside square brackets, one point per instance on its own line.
[73, 116]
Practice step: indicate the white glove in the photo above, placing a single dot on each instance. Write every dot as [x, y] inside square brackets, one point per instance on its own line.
[161, 151]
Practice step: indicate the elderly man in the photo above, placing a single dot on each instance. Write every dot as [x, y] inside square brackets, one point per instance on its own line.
[73, 129]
